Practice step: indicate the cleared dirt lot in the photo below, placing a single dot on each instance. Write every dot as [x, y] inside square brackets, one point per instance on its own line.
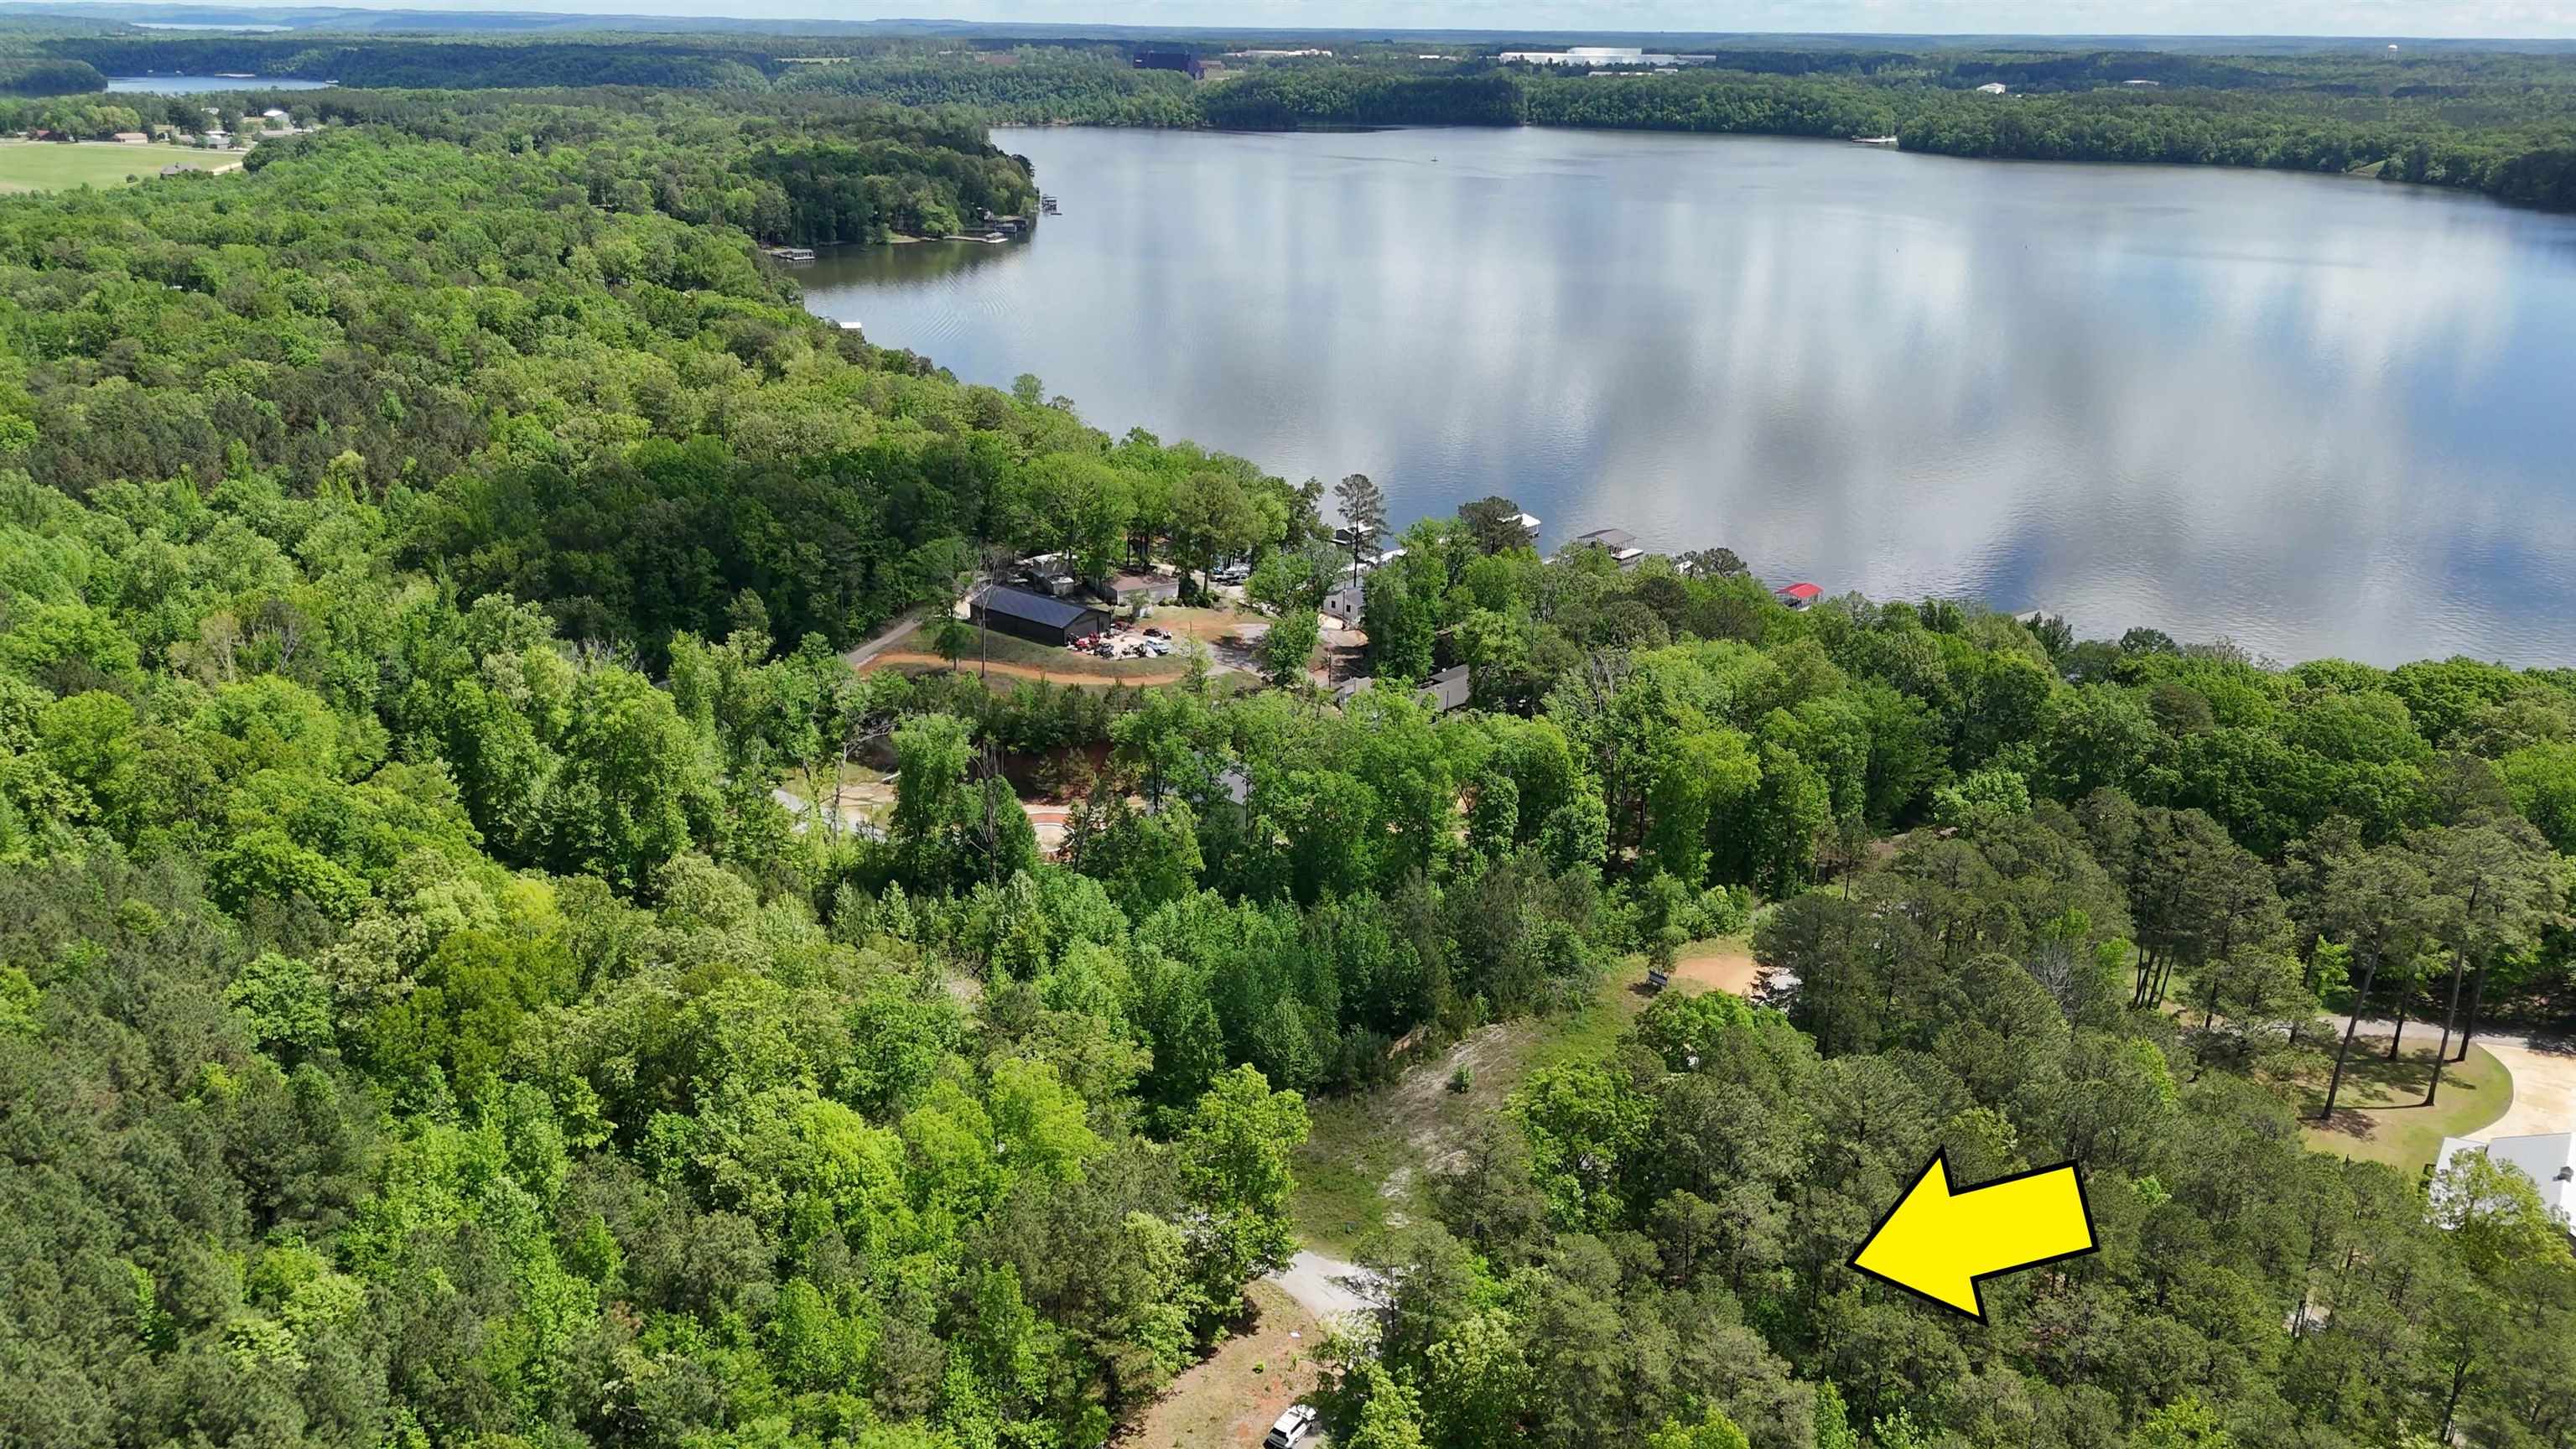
[1229, 1400]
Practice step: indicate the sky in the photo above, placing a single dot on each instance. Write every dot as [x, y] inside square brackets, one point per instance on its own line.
[2520, 19]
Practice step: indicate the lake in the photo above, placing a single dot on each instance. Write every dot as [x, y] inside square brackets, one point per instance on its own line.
[189, 85]
[2312, 414]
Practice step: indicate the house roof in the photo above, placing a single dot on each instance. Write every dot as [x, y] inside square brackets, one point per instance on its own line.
[1613, 539]
[1799, 591]
[1012, 603]
[1446, 690]
[2547, 1158]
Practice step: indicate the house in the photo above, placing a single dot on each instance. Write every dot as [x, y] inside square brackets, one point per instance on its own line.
[131, 138]
[1179, 60]
[1447, 690]
[1619, 543]
[1047, 573]
[1035, 616]
[218, 138]
[272, 114]
[1798, 595]
[180, 168]
[2548, 1159]
[1347, 601]
[1131, 589]
[1993, 88]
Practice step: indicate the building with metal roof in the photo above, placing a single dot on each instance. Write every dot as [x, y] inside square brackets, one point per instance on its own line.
[1035, 616]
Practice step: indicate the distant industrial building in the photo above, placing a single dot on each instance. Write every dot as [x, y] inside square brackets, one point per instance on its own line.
[1592, 56]
[1179, 60]
[1035, 616]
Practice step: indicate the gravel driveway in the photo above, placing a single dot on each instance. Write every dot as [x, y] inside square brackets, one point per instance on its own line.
[1328, 1288]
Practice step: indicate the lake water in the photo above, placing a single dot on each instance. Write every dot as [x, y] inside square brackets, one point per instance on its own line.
[2316, 415]
[189, 85]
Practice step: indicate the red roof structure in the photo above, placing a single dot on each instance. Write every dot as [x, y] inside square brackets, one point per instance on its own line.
[1803, 592]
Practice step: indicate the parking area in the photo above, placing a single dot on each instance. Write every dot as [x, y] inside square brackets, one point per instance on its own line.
[1123, 640]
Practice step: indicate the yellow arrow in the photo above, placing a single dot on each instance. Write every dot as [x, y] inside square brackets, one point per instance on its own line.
[1936, 1244]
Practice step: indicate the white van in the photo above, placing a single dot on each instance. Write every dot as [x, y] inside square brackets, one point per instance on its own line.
[1294, 1428]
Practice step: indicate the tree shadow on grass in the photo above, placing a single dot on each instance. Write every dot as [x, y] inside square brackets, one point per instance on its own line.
[2374, 1086]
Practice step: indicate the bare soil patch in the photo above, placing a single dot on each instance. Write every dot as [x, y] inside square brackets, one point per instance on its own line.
[1229, 1399]
[1728, 970]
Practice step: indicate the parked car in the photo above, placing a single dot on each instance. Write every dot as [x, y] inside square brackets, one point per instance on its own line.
[1292, 1429]
[1156, 634]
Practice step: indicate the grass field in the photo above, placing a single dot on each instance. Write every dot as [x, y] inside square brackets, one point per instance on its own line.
[2377, 1115]
[51, 166]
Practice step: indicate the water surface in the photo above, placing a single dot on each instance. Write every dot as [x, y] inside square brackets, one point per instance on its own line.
[189, 85]
[2316, 415]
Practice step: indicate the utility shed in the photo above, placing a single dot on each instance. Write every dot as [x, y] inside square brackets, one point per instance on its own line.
[1035, 616]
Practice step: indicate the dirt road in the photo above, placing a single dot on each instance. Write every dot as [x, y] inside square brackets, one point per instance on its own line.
[892, 658]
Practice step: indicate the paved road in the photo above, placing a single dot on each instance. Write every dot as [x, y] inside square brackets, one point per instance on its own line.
[1328, 1288]
[875, 644]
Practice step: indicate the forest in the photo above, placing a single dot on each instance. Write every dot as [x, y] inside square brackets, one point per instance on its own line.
[2502, 122]
[424, 554]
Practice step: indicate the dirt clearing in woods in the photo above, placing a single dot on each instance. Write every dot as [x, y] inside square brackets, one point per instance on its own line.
[1228, 1400]
[1734, 971]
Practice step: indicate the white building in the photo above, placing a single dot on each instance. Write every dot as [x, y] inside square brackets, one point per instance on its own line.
[1992, 88]
[1603, 55]
[1347, 602]
[2548, 1159]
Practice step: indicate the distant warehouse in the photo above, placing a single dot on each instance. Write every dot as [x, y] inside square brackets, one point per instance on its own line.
[1179, 60]
[1589, 56]
[1035, 616]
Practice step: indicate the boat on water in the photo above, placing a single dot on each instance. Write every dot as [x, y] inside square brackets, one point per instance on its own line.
[791, 254]
[1874, 140]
